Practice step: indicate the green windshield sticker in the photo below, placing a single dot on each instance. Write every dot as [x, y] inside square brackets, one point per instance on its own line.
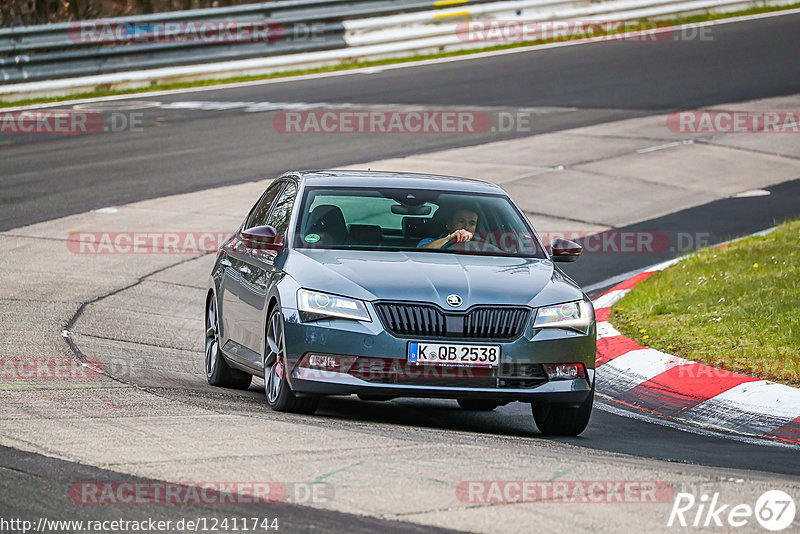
[312, 238]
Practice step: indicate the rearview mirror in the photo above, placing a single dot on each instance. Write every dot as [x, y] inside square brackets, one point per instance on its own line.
[262, 238]
[565, 250]
[404, 209]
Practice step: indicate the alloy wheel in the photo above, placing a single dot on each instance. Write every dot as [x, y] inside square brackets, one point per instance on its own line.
[276, 352]
[212, 338]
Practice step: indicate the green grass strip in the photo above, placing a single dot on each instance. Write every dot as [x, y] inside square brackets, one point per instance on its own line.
[735, 308]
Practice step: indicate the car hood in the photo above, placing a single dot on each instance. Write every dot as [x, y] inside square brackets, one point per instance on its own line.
[431, 277]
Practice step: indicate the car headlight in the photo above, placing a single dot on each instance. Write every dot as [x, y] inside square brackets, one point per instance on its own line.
[572, 315]
[320, 305]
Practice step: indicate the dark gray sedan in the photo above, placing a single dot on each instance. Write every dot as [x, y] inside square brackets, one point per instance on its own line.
[392, 285]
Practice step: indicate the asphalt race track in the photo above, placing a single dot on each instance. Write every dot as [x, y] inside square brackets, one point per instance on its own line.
[190, 150]
[183, 148]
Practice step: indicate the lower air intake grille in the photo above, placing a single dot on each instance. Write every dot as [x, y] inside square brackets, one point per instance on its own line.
[400, 372]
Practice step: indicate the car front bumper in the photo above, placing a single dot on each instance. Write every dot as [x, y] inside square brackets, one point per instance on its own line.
[368, 340]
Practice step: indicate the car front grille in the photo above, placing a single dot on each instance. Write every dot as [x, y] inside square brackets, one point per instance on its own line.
[400, 372]
[425, 320]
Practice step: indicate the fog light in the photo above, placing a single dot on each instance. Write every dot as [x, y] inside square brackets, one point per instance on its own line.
[328, 362]
[564, 371]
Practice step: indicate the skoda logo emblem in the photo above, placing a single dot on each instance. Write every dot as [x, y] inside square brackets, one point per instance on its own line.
[454, 300]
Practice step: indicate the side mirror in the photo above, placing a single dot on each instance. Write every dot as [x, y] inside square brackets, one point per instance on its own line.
[565, 250]
[262, 238]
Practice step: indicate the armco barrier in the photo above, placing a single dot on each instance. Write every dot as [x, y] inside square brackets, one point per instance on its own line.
[40, 61]
[54, 51]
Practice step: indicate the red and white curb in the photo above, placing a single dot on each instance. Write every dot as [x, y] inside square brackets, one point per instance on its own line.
[676, 388]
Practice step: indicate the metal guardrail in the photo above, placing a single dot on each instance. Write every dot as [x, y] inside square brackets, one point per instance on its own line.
[55, 51]
[46, 61]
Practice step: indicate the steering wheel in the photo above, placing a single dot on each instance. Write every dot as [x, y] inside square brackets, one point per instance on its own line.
[477, 243]
[452, 242]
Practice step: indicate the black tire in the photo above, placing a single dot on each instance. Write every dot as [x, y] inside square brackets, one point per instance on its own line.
[478, 405]
[276, 386]
[218, 372]
[555, 420]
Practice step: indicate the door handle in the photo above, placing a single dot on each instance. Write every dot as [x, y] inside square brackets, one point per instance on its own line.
[244, 269]
[225, 262]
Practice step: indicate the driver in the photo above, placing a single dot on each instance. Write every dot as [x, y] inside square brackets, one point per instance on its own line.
[460, 228]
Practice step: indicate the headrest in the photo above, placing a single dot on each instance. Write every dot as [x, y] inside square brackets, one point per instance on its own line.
[365, 234]
[328, 220]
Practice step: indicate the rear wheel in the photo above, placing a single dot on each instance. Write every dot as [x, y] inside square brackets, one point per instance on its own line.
[480, 405]
[279, 394]
[558, 420]
[218, 372]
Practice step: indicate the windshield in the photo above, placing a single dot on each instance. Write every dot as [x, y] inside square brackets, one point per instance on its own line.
[411, 219]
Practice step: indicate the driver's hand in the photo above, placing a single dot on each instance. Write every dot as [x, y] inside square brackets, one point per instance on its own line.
[459, 236]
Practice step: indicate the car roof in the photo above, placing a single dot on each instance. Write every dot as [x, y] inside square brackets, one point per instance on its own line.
[357, 178]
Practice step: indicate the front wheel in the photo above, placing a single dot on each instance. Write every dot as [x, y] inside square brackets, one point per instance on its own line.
[279, 394]
[558, 420]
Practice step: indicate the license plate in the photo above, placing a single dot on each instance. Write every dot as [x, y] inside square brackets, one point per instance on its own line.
[454, 354]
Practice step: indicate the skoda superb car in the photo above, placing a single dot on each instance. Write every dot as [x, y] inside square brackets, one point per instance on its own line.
[392, 285]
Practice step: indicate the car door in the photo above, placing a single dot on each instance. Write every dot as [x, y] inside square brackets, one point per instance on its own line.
[237, 281]
[260, 266]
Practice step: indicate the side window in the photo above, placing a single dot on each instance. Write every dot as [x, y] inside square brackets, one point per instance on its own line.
[279, 218]
[258, 216]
